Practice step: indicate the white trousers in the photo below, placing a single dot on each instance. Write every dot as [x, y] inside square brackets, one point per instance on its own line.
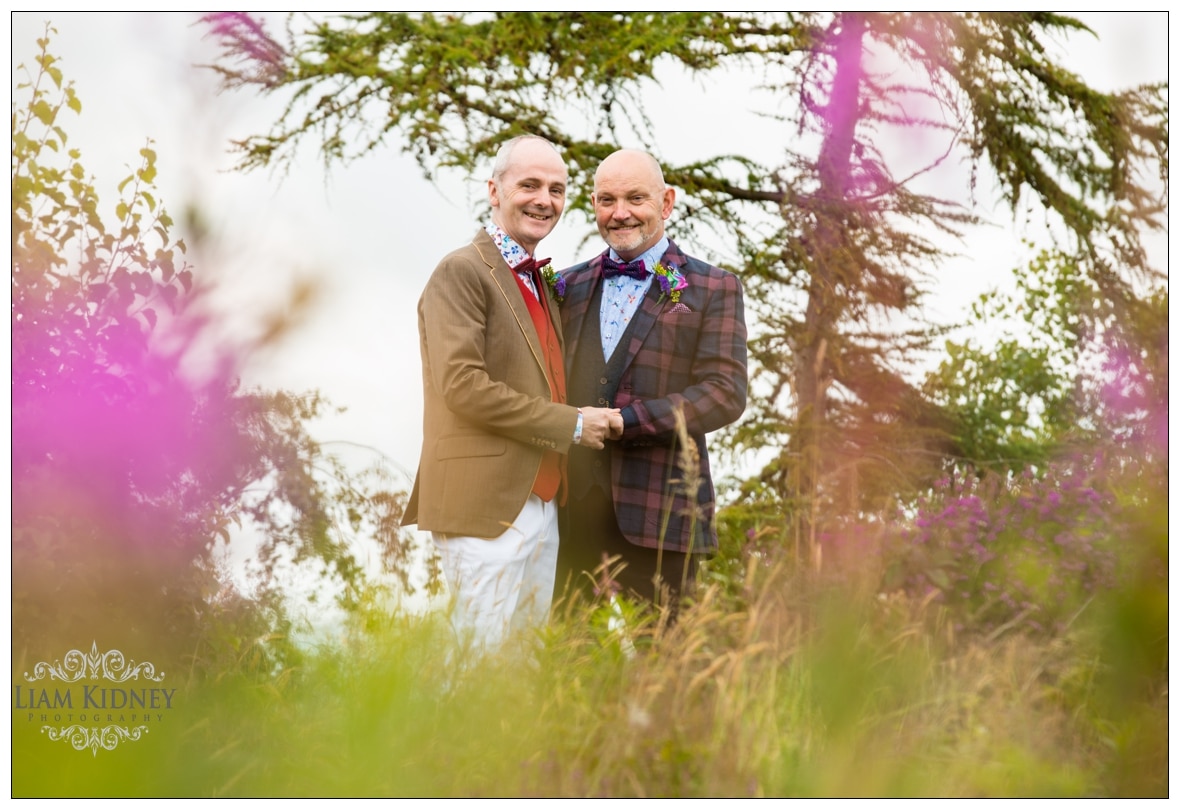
[505, 584]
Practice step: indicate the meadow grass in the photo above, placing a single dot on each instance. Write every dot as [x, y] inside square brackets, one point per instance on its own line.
[784, 685]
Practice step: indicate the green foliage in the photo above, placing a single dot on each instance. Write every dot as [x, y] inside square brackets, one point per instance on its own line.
[1038, 387]
[777, 682]
[484, 76]
[1016, 402]
[834, 248]
[82, 294]
[1026, 552]
[798, 689]
[1031, 550]
[127, 476]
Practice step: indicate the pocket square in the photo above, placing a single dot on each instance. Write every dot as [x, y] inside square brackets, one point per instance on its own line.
[679, 307]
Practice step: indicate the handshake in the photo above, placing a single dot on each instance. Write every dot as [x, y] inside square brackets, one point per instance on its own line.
[598, 425]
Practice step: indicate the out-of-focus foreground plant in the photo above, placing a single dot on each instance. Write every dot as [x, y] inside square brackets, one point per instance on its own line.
[127, 474]
[785, 684]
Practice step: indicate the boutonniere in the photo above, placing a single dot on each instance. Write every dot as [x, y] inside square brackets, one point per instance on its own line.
[672, 281]
[555, 281]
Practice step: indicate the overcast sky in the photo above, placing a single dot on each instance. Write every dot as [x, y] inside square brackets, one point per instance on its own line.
[369, 235]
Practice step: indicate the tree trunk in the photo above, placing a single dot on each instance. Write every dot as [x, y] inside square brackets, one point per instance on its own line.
[831, 271]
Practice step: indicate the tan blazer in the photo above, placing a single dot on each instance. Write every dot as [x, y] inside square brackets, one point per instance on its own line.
[487, 412]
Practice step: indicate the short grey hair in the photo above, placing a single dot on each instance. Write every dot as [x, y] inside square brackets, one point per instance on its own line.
[504, 153]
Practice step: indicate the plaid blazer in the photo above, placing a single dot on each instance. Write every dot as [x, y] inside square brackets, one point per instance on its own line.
[487, 412]
[688, 356]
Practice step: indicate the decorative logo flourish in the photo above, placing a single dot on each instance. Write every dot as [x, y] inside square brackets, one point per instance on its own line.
[109, 665]
[81, 737]
[672, 281]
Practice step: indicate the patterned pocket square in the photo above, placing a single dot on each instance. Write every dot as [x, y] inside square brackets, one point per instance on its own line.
[679, 307]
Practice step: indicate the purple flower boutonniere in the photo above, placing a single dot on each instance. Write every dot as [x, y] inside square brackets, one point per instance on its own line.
[555, 281]
[672, 281]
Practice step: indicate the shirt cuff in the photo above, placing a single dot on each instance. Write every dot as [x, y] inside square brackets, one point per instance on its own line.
[578, 430]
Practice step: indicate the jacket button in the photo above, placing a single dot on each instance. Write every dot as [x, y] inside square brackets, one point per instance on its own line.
[602, 381]
[602, 401]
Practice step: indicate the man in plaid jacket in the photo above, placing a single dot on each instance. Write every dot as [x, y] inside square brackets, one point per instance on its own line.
[661, 336]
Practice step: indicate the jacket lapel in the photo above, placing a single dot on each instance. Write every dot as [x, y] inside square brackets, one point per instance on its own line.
[642, 322]
[501, 274]
[576, 308]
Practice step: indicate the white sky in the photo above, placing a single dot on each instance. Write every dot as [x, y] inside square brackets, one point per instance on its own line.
[370, 234]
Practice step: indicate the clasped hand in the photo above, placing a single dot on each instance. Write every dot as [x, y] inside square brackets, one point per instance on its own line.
[600, 424]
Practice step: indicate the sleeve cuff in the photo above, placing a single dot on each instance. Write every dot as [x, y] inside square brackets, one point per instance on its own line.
[630, 418]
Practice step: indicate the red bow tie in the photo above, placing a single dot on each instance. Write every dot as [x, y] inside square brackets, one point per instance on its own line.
[634, 269]
[530, 264]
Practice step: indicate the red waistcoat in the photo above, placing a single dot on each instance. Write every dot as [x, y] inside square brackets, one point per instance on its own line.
[551, 478]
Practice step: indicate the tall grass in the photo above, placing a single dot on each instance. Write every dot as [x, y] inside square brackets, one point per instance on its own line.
[778, 684]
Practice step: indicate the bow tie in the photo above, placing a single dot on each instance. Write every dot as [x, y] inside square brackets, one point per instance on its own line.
[530, 264]
[634, 269]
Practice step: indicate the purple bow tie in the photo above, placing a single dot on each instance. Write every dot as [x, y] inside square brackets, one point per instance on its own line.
[634, 269]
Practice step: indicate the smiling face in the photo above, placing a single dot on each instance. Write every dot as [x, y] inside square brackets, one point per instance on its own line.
[631, 202]
[529, 194]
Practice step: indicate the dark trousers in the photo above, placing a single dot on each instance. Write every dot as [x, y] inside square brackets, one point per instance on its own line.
[590, 534]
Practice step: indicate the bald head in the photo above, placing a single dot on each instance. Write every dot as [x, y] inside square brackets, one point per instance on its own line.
[632, 162]
[631, 202]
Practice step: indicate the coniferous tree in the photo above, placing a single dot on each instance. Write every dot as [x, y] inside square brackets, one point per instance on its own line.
[835, 243]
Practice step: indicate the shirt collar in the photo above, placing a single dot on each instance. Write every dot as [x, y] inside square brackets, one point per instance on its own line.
[512, 252]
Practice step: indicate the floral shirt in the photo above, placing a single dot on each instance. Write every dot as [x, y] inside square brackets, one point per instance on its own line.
[513, 253]
[621, 296]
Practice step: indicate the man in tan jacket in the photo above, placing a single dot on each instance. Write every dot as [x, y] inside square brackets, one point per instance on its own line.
[496, 425]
